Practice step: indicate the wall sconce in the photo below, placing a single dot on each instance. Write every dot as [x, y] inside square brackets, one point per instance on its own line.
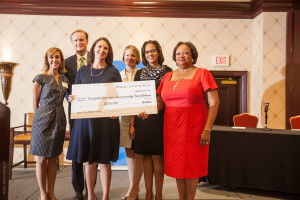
[6, 74]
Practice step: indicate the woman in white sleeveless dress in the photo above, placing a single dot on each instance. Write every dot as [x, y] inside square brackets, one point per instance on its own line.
[131, 57]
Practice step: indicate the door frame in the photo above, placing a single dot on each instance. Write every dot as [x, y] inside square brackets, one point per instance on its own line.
[242, 83]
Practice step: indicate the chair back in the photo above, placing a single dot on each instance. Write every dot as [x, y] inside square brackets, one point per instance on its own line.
[245, 120]
[28, 118]
[20, 137]
[295, 122]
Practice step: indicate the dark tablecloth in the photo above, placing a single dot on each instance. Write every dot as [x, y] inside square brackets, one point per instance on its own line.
[255, 158]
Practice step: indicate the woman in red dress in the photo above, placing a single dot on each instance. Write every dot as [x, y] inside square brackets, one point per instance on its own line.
[190, 97]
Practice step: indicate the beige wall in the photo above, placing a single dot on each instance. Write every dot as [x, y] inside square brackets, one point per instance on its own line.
[255, 45]
[274, 65]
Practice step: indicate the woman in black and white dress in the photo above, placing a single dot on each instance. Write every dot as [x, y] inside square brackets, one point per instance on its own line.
[149, 132]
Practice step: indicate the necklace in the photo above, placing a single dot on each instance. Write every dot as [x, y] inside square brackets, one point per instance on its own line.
[177, 82]
[186, 70]
[91, 69]
[100, 74]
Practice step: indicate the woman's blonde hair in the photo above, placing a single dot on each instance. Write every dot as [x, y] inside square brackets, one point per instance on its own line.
[50, 52]
[135, 51]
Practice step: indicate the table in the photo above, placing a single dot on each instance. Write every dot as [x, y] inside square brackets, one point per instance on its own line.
[255, 158]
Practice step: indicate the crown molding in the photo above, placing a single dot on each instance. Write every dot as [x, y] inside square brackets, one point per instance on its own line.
[186, 9]
[259, 6]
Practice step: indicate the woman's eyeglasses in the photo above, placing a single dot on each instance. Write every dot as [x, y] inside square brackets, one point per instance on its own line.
[152, 51]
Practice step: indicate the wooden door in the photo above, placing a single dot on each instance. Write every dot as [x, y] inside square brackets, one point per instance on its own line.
[232, 94]
[228, 92]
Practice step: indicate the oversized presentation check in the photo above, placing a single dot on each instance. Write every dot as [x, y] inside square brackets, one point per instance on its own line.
[113, 99]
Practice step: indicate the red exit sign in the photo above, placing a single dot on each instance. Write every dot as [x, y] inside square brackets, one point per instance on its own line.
[220, 60]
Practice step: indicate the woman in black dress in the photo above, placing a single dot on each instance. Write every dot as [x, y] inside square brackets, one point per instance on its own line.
[96, 140]
[49, 121]
[149, 132]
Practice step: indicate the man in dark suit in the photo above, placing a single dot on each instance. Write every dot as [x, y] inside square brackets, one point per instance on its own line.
[79, 39]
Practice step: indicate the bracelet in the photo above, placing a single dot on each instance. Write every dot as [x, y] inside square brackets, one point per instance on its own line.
[206, 129]
[130, 123]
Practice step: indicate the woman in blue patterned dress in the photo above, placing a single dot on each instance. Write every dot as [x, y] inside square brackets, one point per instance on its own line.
[49, 122]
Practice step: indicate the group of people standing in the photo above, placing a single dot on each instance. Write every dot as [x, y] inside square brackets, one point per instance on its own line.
[173, 142]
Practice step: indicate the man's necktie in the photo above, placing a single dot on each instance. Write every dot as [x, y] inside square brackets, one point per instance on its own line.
[81, 59]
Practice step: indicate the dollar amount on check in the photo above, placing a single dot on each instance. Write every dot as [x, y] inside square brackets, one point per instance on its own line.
[113, 99]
